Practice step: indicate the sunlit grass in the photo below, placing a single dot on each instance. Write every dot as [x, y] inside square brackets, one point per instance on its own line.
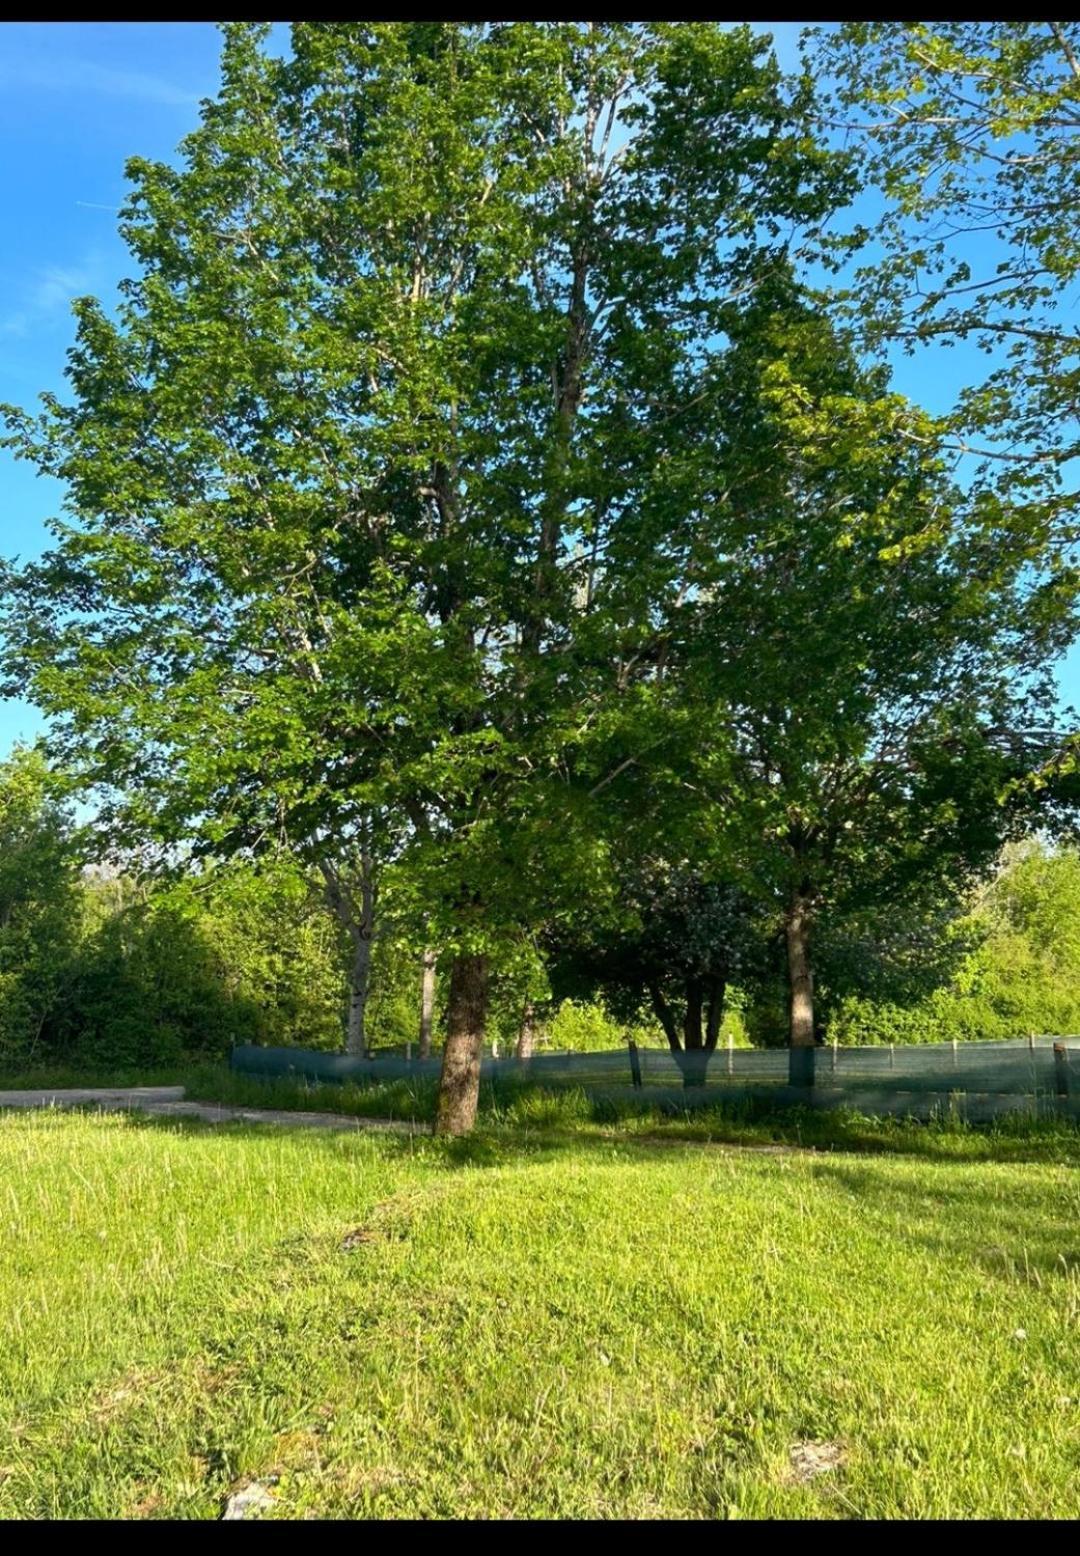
[560, 1317]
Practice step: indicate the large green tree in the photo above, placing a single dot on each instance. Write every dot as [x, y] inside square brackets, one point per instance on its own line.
[841, 662]
[413, 325]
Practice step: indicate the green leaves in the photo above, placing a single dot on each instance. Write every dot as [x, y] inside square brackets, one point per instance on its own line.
[839, 690]
[969, 128]
[466, 470]
[371, 478]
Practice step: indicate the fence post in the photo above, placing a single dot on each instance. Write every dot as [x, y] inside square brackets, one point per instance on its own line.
[635, 1062]
[801, 1067]
[1061, 1069]
[408, 1052]
[731, 1053]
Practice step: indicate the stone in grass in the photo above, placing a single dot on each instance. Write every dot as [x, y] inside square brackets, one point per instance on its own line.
[248, 1502]
[811, 1459]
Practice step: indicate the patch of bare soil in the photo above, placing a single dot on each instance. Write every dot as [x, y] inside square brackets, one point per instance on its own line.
[809, 1460]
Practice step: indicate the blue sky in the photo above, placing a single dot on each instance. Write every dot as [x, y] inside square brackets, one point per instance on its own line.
[76, 100]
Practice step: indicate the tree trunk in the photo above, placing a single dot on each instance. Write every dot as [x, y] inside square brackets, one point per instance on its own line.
[526, 1042]
[692, 1034]
[666, 1017]
[700, 1046]
[694, 1060]
[427, 1002]
[359, 981]
[717, 994]
[466, 1015]
[700, 1027]
[800, 976]
[358, 918]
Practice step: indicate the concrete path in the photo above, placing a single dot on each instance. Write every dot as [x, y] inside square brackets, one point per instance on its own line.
[169, 1102]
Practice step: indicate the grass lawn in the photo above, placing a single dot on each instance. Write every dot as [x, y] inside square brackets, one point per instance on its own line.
[560, 1317]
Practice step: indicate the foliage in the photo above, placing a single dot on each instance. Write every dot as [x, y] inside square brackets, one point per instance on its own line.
[679, 946]
[1022, 975]
[218, 958]
[969, 131]
[40, 908]
[104, 968]
[410, 327]
[840, 677]
[585, 1026]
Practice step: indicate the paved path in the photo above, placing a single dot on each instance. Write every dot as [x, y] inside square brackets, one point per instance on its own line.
[169, 1101]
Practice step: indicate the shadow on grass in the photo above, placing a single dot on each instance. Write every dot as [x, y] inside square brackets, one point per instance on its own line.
[520, 1121]
[1022, 1232]
[549, 1127]
[526, 1110]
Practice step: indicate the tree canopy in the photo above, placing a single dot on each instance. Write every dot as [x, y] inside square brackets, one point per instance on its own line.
[470, 496]
[969, 133]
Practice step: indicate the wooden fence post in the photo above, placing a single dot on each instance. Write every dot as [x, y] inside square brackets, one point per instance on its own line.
[635, 1062]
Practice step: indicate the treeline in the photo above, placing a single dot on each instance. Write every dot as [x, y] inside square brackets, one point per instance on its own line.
[104, 967]
[477, 499]
[114, 966]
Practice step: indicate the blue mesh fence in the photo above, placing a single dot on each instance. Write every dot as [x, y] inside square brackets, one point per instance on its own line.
[978, 1078]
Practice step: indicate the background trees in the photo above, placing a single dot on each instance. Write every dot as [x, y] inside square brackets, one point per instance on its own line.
[39, 906]
[1013, 966]
[104, 969]
[110, 966]
[472, 510]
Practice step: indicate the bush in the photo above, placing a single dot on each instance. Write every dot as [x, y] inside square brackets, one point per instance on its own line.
[583, 1027]
[1023, 974]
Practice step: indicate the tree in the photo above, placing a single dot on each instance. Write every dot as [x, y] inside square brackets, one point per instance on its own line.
[412, 323]
[969, 132]
[843, 670]
[681, 943]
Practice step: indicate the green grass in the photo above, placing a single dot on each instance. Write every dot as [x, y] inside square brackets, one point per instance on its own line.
[570, 1112]
[65, 1075]
[563, 1316]
[411, 1099]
